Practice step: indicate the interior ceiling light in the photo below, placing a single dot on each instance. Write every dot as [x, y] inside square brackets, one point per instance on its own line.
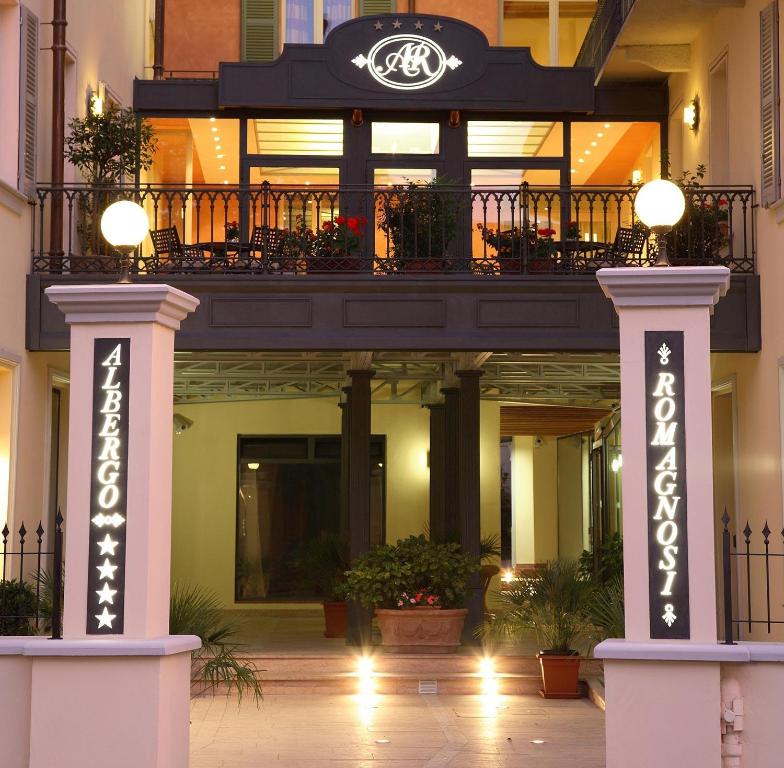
[587, 152]
[222, 167]
[580, 160]
[593, 143]
[574, 170]
[607, 125]
[218, 146]
[212, 119]
[216, 138]
[220, 157]
[600, 135]
[214, 129]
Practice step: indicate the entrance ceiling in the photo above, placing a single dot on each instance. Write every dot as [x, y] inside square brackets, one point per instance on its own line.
[405, 377]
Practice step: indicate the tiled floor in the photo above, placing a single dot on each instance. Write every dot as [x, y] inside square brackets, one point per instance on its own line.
[404, 731]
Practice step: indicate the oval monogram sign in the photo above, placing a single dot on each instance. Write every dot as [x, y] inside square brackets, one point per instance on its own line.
[406, 62]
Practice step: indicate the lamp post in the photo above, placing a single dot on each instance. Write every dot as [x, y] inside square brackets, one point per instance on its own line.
[660, 205]
[124, 224]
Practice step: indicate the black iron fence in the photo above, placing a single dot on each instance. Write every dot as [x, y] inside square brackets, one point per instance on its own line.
[31, 587]
[602, 33]
[752, 561]
[390, 231]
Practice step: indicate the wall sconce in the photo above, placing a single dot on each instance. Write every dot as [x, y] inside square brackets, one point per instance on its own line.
[357, 118]
[691, 114]
[96, 99]
[454, 118]
[636, 176]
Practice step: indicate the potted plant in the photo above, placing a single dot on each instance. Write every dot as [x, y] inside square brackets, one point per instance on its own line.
[420, 222]
[521, 246]
[417, 588]
[107, 148]
[321, 566]
[552, 601]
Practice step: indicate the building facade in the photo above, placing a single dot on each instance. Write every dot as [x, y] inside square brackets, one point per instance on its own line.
[392, 214]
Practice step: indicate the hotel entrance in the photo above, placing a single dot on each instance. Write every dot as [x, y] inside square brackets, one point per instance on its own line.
[261, 468]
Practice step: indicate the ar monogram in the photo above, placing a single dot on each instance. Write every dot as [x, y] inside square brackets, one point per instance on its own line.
[406, 62]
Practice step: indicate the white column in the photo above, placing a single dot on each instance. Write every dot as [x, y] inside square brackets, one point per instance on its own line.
[115, 690]
[662, 681]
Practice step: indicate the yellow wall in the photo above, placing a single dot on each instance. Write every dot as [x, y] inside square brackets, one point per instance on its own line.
[546, 499]
[205, 457]
[735, 31]
[523, 500]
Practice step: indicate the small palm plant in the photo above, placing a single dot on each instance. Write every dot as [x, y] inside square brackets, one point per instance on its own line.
[197, 611]
[551, 602]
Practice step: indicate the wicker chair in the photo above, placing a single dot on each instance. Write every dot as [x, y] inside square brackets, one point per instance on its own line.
[171, 255]
[268, 251]
[626, 248]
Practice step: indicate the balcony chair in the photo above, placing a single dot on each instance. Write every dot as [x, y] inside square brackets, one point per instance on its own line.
[171, 255]
[626, 248]
[268, 251]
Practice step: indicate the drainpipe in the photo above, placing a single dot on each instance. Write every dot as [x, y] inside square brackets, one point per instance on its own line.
[59, 24]
[157, 64]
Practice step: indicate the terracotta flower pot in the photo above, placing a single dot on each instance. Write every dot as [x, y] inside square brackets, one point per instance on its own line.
[560, 675]
[334, 619]
[421, 630]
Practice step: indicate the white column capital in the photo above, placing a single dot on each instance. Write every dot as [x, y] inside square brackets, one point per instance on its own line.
[664, 286]
[123, 303]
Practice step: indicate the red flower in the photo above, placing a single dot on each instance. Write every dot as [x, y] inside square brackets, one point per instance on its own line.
[340, 220]
[353, 223]
[327, 225]
[546, 232]
[431, 600]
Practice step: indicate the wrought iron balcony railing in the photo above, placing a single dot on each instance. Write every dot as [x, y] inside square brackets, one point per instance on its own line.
[602, 33]
[391, 231]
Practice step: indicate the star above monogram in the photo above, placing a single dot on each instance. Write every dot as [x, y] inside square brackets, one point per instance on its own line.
[418, 24]
[438, 26]
[378, 25]
[108, 545]
[396, 24]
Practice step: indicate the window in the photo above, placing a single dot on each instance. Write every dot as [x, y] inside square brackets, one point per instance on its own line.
[28, 100]
[769, 104]
[310, 21]
[514, 138]
[405, 138]
[309, 136]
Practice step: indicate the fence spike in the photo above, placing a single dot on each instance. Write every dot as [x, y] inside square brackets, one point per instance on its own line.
[747, 533]
[766, 532]
[725, 518]
[22, 532]
[39, 531]
[6, 531]
[58, 518]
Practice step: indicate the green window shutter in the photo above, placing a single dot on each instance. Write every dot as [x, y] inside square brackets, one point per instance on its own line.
[372, 7]
[28, 101]
[259, 30]
[769, 97]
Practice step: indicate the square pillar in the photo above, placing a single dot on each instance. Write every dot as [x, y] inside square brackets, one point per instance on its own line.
[663, 679]
[357, 472]
[468, 484]
[451, 462]
[436, 465]
[116, 689]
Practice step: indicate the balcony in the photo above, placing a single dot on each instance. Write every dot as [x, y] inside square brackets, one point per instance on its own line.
[417, 267]
[392, 233]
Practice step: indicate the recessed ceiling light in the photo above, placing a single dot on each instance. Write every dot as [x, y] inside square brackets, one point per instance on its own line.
[580, 159]
[225, 181]
[216, 138]
[220, 157]
[587, 151]
[214, 129]
[537, 741]
[218, 146]
[607, 125]
[600, 134]
[574, 170]
[222, 167]
[212, 119]
[593, 143]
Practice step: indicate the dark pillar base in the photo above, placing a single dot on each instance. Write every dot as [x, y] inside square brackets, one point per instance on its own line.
[358, 626]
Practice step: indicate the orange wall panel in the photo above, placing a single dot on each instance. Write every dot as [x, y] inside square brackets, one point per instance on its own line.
[480, 13]
[201, 33]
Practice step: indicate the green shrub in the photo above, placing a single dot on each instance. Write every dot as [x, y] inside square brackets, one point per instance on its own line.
[379, 577]
[18, 605]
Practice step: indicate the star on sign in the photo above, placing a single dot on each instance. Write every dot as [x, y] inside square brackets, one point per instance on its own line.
[378, 25]
[418, 25]
[396, 24]
[107, 569]
[105, 619]
[438, 26]
[106, 595]
[108, 545]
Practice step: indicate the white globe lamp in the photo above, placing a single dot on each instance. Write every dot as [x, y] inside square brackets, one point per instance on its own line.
[660, 205]
[124, 224]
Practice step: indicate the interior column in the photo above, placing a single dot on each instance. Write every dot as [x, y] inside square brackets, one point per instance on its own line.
[450, 478]
[436, 464]
[357, 424]
[468, 485]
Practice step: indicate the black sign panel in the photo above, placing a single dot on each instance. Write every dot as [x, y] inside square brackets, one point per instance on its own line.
[668, 549]
[108, 490]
